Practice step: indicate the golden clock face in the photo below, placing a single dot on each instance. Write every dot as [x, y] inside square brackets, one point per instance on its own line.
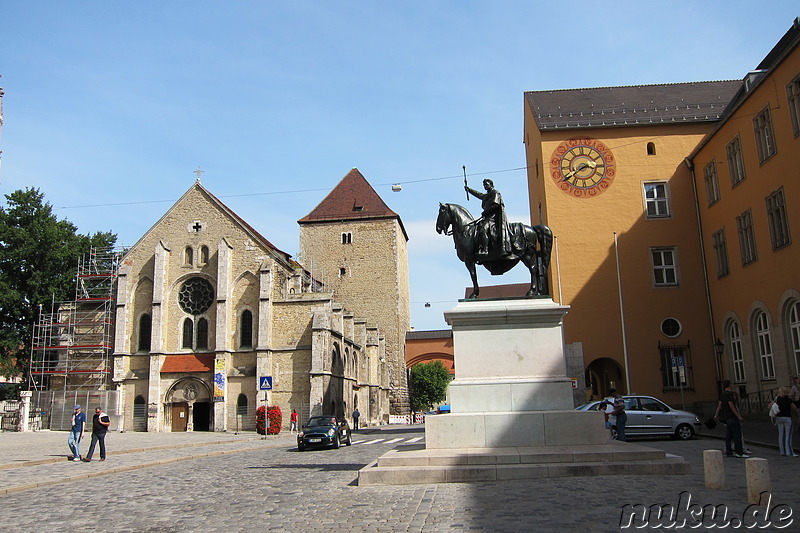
[583, 167]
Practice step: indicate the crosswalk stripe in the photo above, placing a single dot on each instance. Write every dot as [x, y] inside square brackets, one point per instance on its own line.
[394, 440]
[415, 439]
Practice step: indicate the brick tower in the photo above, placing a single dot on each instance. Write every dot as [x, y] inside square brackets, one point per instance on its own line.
[357, 247]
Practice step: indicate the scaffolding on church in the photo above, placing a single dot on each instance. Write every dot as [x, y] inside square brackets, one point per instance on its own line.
[73, 341]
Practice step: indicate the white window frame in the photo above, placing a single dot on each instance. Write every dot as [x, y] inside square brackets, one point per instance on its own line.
[735, 161]
[777, 220]
[747, 238]
[765, 136]
[664, 261]
[712, 183]
[656, 196]
[721, 252]
[794, 334]
[764, 346]
[737, 355]
[793, 96]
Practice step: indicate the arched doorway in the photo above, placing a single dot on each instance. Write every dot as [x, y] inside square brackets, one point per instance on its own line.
[604, 374]
[139, 413]
[188, 405]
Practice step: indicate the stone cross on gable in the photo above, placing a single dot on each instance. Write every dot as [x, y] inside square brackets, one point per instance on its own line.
[198, 172]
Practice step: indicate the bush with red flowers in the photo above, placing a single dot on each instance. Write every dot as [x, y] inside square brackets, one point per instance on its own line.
[275, 418]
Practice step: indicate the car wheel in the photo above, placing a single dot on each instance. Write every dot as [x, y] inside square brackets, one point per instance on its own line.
[349, 440]
[684, 432]
[614, 432]
[301, 447]
[336, 442]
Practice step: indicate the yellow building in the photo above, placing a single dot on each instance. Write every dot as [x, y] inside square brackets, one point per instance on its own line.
[748, 179]
[612, 171]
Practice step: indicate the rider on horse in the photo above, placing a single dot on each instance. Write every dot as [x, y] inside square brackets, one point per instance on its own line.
[493, 236]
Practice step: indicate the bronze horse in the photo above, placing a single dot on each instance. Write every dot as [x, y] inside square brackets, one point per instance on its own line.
[530, 244]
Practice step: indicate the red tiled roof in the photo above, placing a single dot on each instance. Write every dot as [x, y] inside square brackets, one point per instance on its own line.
[195, 362]
[353, 198]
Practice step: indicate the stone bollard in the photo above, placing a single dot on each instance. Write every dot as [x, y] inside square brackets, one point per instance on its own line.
[757, 473]
[714, 469]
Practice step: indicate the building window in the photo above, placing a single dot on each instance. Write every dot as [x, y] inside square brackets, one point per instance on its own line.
[347, 238]
[202, 334]
[721, 253]
[188, 256]
[342, 272]
[651, 148]
[747, 239]
[765, 138]
[737, 357]
[656, 200]
[246, 329]
[196, 296]
[794, 334]
[188, 334]
[204, 255]
[145, 330]
[793, 95]
[735, 161]
[665, 271]
[676, 368]
[670, 327]
[712, 185]
[776, 216]
[764, 345]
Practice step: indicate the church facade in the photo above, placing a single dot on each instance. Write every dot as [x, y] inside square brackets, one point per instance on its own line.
[213, 321]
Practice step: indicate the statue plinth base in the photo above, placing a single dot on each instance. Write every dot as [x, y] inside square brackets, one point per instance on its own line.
[512, 413]
[511, 387]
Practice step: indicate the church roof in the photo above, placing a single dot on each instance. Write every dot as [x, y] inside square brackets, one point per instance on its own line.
[352, 199]
[255, 235]
[598, 107]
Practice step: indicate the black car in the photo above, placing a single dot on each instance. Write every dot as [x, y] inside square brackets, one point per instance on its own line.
[323, 431]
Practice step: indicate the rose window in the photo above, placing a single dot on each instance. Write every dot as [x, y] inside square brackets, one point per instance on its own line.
[196, 296]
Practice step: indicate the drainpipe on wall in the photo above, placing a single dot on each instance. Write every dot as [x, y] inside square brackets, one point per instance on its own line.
[622, 320]
[718, 366]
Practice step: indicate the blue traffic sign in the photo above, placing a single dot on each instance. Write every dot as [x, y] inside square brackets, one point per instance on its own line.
[265, 383]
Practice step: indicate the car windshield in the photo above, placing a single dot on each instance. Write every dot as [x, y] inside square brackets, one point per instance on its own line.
[321, 421]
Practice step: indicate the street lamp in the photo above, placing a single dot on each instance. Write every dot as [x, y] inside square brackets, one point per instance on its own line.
[719, 349]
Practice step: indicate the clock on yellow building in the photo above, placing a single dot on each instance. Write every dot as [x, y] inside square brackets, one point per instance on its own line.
[583, 167]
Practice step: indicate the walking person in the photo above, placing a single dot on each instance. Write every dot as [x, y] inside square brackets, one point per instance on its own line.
[76, 432]
[356, 416]
[728, 413]
[293, 422]
[618, 412]
[783, 421]
[100, 423]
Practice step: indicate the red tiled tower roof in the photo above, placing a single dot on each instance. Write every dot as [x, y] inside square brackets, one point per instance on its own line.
[352, 199]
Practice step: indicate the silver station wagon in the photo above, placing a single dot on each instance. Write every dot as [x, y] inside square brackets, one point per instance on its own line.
[648, 416]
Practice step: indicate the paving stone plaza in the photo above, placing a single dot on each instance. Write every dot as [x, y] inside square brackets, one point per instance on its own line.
[174, 482]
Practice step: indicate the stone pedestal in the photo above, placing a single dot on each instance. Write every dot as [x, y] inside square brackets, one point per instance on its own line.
[512, 413]
[511, 387]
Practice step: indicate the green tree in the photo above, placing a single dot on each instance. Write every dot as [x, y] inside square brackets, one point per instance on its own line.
[428, 384]
[38, 259]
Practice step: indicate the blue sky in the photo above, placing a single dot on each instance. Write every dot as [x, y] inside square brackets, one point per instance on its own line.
[109, 107]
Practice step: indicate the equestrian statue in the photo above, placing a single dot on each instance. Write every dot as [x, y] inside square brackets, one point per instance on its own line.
[494, 243]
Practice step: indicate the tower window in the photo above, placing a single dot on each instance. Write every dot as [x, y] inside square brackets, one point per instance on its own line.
[342, 272]
[188, 256]
[651, 148]
[347, 238]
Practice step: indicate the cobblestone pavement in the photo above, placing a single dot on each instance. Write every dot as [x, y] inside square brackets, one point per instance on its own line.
[269, 485]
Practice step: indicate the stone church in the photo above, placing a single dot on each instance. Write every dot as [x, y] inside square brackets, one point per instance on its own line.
[213, 321]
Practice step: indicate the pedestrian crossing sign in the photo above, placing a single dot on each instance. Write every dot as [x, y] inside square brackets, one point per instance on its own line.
[265, 383]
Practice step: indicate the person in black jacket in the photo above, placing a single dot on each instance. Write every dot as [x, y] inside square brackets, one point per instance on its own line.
[100, 423]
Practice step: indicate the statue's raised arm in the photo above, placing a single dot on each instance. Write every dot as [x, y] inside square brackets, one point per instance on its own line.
[494, 243]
